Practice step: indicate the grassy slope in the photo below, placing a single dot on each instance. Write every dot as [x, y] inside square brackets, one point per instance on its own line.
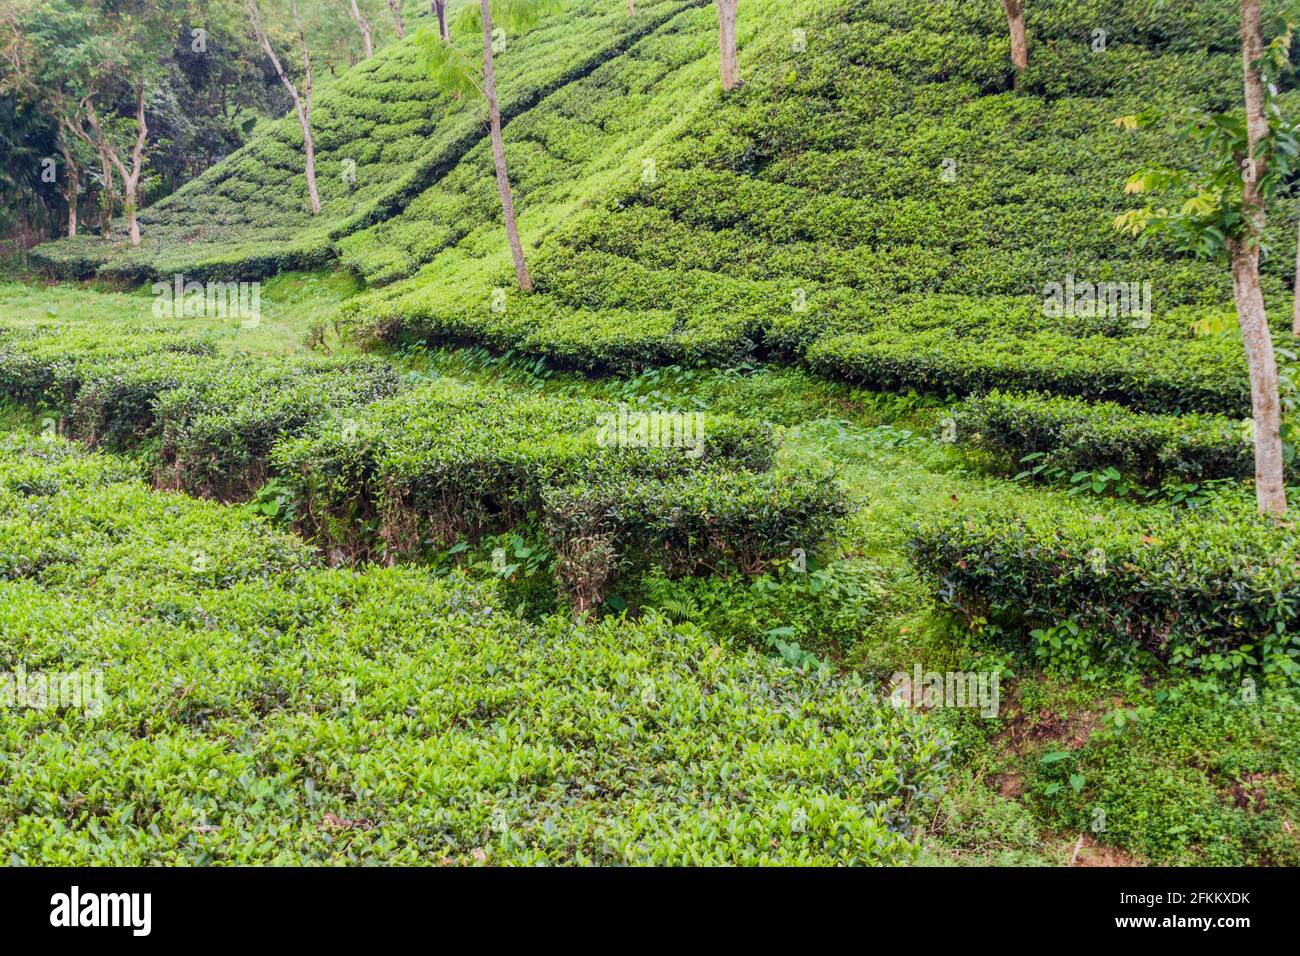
[290, 303]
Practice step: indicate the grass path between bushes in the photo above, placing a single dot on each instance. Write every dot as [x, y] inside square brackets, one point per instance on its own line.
[1095, 768]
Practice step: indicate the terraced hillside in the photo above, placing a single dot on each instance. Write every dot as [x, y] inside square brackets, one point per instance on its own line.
[383, 134]
[879, 207]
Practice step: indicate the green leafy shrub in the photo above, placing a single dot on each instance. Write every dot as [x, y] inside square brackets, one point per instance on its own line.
[213, 419]
[1151, 374]
[1212, 591]
[1071, 435]
[81, 528]
[217, 436]
[448, 461]
[710, 518]
[45, 365]
[257, 708]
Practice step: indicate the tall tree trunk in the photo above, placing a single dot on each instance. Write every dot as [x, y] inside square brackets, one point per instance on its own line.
[301, 99]
[439, 8]
[107, 197]
[499, 152]
[72, 185]
[131, 180]
[1270, 487]
[1016, 23]
[367, 41]
[397, 19]
[309, 148]
[727, 43]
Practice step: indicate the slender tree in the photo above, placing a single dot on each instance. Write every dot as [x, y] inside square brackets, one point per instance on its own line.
[727, 43]
[396, 9]
[71, 179]
[302, 98]
[1016, 24]
[439, 9]
[1222, 213]
[456, 73]
[107, 197]
[359, 18]
[1270, 488]
[130, 175]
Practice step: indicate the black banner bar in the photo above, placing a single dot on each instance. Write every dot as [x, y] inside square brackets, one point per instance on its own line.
[146, 906]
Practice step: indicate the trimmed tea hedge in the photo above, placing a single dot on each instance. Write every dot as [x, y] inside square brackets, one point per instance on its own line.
[217, 436]
[1074, 435]
[44, 366]
[73, 523]
[214, 418]
[1214, 590]
[449, 461]
[709, 519]
[259, 709]
[1150, 373]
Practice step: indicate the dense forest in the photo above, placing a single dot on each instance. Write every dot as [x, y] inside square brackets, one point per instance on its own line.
[206, 83]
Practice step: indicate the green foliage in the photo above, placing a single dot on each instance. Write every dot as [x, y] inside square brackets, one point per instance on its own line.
[1207, 210]
[383, 134]
[1209, 590]
[1184, 781]
[797, 609]
[1103, 442]
[706, 519]
[1147, 372]
[448, 462]
[260, 710]
[213, 419]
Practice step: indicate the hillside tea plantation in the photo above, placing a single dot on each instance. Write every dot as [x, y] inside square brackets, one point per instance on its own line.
[626, 465]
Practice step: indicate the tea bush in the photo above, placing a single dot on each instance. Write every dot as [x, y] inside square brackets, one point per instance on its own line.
[1072, 435]
[709, 518]
[259, 709]
[213, 419]
[451, 461]
[1212, 591]
[1149, 373]
[44, 365]
[216, 436]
